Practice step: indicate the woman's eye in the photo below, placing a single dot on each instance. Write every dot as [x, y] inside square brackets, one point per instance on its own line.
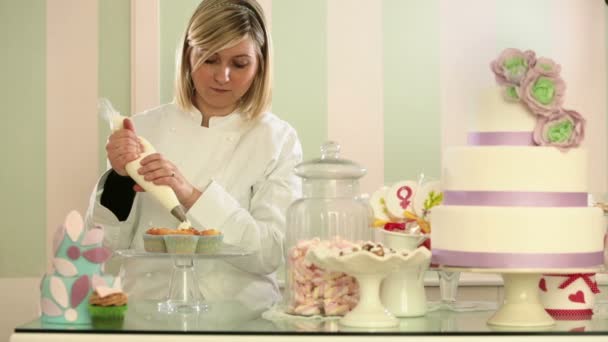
[211, 61]
[241, 64]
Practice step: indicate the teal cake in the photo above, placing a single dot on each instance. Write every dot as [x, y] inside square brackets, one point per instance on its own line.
[77, 269]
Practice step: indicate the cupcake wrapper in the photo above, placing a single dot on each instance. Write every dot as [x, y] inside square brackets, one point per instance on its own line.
[209, 244]
[107, 312]
[181, 244]
[154, 244]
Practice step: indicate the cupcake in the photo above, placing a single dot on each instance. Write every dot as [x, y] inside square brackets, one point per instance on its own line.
[107, 307]
[154, 241]
[209, 241]
[182, 241]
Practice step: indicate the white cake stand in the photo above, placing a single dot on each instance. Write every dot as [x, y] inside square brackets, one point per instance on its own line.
[369, 270]
[521, 306]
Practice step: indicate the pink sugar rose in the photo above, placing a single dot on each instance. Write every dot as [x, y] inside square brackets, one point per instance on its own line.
[547, 67]
[511, 66]
[564, 129]
[542, 93]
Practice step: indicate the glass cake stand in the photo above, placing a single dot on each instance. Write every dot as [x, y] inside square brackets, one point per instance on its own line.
[184, 294]
[521, 307]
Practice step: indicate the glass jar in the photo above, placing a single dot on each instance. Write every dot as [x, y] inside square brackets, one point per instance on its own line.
[331, 211]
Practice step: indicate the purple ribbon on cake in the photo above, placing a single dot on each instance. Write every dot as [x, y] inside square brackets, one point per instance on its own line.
[501, 139]
[516, 260]
[515, 198]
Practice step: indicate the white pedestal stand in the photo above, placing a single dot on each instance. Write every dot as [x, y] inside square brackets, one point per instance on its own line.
[369, 270]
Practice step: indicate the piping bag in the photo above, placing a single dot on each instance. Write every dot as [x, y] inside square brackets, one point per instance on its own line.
[163, 193]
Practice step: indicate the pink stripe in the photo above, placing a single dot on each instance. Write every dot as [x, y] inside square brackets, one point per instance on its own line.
[501, 138]
[516, 260]
[71, 91]
[516, 199]
[355, 116]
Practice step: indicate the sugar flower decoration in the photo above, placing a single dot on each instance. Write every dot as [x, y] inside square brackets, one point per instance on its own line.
[543, 90]
[564, 129]
[536, 82]
[512, 65]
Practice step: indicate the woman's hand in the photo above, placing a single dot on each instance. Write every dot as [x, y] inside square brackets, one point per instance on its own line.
[123, 147]
[160, 171]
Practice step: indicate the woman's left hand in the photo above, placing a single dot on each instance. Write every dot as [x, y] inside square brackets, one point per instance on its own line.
[161, 171]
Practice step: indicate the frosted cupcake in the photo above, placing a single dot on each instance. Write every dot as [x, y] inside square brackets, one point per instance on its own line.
[107, 307]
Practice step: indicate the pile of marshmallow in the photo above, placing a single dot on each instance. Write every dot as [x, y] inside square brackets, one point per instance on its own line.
[314, 291]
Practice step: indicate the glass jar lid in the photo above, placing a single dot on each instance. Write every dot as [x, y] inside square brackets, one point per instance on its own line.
[330, 166]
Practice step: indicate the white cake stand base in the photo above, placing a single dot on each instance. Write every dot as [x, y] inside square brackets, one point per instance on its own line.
[369, 313]
[522, 306]
[369, 270]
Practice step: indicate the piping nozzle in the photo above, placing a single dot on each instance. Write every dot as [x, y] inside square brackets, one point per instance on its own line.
[180, 213]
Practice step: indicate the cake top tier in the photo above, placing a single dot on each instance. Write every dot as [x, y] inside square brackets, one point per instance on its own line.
[77, 250]
[527, 109]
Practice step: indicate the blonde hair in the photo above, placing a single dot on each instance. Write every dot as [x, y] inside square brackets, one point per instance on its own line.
[219, 24]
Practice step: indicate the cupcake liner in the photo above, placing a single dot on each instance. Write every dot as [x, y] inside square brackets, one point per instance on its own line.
[181, 244]
[209, 243]
[154, 244]
[107, 312]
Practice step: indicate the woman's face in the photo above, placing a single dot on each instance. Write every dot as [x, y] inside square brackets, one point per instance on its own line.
[224, 77]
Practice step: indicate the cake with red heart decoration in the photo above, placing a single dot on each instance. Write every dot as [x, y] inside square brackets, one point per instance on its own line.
[568, 296]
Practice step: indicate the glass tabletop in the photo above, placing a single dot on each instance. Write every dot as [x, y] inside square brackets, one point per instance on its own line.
[232, 318]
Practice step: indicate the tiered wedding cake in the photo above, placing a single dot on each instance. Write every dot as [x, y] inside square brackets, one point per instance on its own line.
[516, 196]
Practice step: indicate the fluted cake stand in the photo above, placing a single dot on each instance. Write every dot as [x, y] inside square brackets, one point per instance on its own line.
[521, 306]
[369, 270]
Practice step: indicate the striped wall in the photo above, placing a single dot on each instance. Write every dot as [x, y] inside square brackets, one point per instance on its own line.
[391, 80]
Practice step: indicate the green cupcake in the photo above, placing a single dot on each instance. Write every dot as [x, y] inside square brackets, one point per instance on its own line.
[107, 311]
[107, 317]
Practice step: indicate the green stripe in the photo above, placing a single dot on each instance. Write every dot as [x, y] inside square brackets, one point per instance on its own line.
[412, 130]
[300, 87]
[114, 63]
[174, 16]
[23, 171]
[606, 47]
[524, 24]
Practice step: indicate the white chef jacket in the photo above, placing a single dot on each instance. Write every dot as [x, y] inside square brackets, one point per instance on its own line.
[245, 170]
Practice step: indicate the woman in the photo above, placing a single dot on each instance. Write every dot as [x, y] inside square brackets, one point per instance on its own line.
[228, 160]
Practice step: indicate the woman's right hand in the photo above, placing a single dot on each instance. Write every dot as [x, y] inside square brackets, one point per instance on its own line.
[123, 147]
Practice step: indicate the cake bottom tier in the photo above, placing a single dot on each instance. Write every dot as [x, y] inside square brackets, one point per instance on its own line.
[516, 237]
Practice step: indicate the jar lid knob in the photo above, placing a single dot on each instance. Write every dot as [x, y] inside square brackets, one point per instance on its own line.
[330, 150]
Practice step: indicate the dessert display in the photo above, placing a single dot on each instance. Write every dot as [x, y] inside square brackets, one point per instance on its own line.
[516, 196]
[182, 241]
[77, 265]
[107, 306]
[405, 209]
[369, 263]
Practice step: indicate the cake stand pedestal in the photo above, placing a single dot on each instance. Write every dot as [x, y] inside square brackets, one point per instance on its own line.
[369, 270]
[521, 306]
[448, 288]
[184, 295]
